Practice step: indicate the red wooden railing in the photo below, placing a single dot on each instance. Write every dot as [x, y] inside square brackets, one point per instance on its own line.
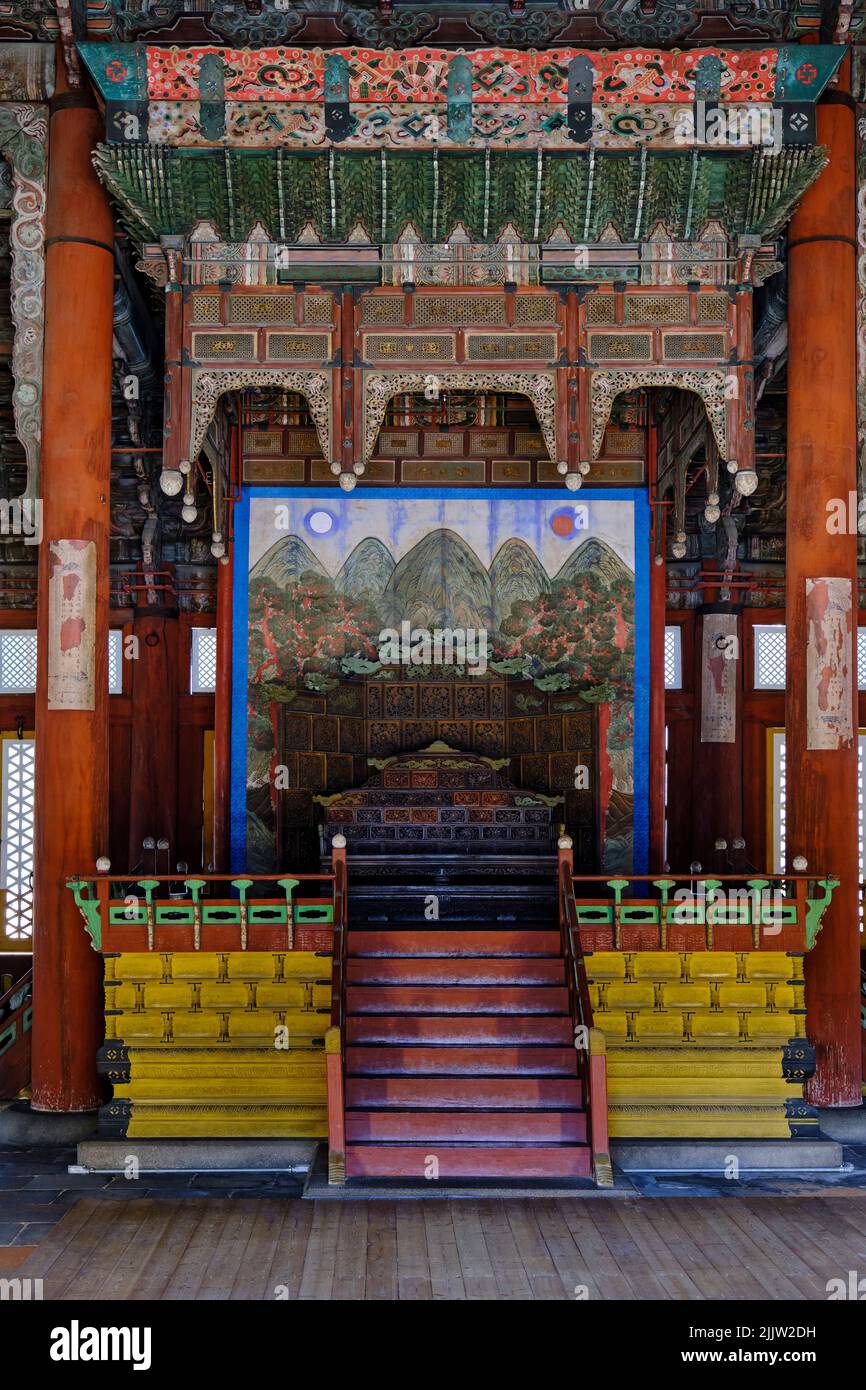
[589, 1041]
[335, 1037]
[15, 1014]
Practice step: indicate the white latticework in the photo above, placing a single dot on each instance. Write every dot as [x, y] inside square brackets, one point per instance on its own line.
[673, 658]
[770, 657]
[17, 661]
[115, 662]
[779, 801]
[16, 860]
[202, 673]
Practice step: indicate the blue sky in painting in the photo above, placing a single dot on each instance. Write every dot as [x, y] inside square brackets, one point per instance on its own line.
[485, 523]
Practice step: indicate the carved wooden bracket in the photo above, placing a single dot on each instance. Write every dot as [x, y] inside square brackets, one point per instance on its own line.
[23, 141]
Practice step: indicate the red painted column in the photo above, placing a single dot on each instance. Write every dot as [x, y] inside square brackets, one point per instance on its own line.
[822, 431]
[223, 694]
[72, 743]
[658, 599]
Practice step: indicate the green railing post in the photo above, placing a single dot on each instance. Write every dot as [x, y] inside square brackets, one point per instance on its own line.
[664, 885]
[288, 886]
[149, 885]
[243, 886]
[195, 886]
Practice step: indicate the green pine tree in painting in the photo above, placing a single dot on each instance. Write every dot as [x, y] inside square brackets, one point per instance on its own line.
[304, 630]
[582, 629]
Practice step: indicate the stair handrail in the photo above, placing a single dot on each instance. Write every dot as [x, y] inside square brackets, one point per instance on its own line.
[335, 1037]
[22, 986]
[589, 1041]
[15, 1036]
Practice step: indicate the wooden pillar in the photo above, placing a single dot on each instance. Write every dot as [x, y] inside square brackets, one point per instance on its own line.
[821, 698]
[72, 690]
[222, 744]
[153, 749]
[658, 599]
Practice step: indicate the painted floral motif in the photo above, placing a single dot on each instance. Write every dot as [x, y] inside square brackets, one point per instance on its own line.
[498, 74]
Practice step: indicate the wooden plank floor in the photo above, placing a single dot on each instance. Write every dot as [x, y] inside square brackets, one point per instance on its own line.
[275, 1248]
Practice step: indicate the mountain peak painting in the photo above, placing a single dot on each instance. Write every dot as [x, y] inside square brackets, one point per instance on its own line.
[489, 594]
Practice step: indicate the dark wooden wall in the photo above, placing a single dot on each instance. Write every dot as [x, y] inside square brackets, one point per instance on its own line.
[761, 710]
[195, 716]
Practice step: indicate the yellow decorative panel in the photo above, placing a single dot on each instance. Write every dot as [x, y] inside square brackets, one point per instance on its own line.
[220, 1044]
[703, 1044]
[657, 965]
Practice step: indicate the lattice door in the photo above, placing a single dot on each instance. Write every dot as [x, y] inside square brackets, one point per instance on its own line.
[16, 858]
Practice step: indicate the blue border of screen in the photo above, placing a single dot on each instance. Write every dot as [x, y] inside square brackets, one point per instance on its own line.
[641, 650]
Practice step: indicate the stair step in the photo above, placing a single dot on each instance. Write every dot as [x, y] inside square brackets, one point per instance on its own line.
[449, 942]
[393, 1161]
[456, 1061]
[410, 970]
[488, 999]
[525, 1030]
[459, 1126]
[458, 1093]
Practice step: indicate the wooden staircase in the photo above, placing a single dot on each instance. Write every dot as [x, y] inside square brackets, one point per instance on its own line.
[460, 1060]
[458, 1054]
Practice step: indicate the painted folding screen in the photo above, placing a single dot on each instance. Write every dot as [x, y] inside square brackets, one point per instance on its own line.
[511, 627]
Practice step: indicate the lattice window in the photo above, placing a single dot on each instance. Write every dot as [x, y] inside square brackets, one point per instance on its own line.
[234, 347]
[459, 310]
[771, 663]
[770, 659]
[206, 308]
[712, 308]
[314, 347]
[688, 345]
[17, 661]
[319, 308]
[779, 793]
[673, 658]
[600, 309]
[417, 347]
[202, 668]
[115, 662]
[386, 310]
[535, 308]
[262, 308]
[632, 347]
[503, 347]
[16, 858]
[646, 309]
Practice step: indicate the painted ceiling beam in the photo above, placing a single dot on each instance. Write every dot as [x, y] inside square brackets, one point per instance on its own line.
[431, 98]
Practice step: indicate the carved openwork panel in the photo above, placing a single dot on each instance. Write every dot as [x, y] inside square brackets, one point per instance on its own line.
[486, 347]
[208, 386]
[411, 347]
[381, 387]
[310, 347]
[708, 383]
[23, 141]
[651, 309]
[459, 310]
[261, 308]
[233, 347]
[632, 347]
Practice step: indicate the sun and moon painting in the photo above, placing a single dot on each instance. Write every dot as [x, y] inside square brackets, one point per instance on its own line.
[519, 590]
